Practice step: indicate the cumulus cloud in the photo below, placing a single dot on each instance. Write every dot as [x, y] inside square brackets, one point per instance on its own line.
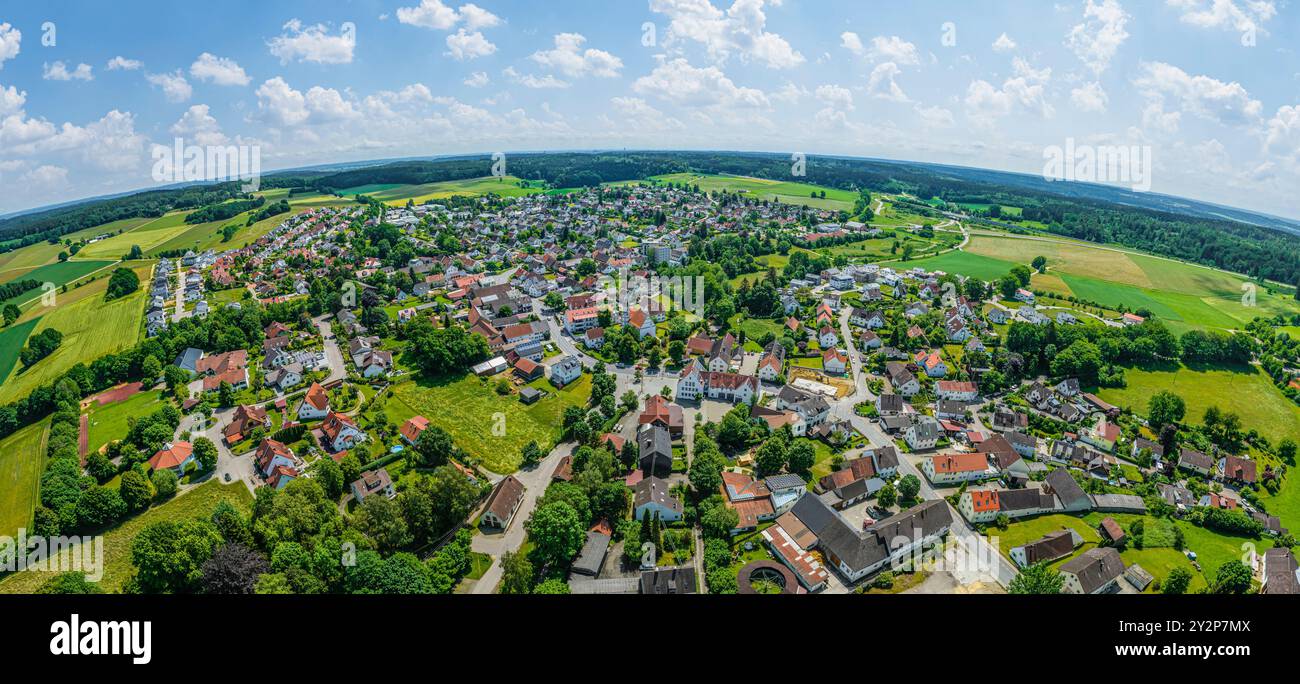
[197, 125]
[120, 63]
[893, 49]
[280, 104]
[218, 70]
[1004, 44]
[986, 103]
[881, 83]
[852, 42]
[1099, 37]
[1204, 96]
[835, 96]
[434, 14]
[463, 45]
[678, 82]
[174, 86]
[570, 59]
[739, 30]
[1089, 97]
[314, 44]
[478, 79]
[1247, 16]
[10, 42]
[531, 81]
[636, 112]
[58, 71]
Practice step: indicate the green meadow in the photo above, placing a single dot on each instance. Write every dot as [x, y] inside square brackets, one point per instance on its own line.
[783, 191]
[22, 457]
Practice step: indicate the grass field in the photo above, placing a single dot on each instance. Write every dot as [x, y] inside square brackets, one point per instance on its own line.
[91, 328]
[465, 408]
[197, 502]
[22, 458]
[12, 340]
[108, 423]
[505, 186]
[1246, 390]
[783, 191]
[58, 273]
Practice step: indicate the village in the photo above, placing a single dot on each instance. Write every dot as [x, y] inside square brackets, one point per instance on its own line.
[856, 441]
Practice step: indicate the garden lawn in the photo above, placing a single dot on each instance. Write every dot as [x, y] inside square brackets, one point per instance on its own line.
[22, 458]
[108, 423]
[466, 408]
[197, 502]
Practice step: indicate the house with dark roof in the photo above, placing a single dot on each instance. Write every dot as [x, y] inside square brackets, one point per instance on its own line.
[1094, 571]
[1195, 461]
[651, 497]
[1281, 574]
[503, 503]
[1068, 493]
[858, 554]
[1051, 546]
[656, 449]
[373, 482]
[592, 556]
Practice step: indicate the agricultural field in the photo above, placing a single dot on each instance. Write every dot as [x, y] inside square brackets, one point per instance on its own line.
[22, 458]
[1245, 390]
[109, 422]
[1185, 296]
[91, 328]
[196, 502]
[147, 235]
[12, 340]
[505, 186]
[783, 191]
[465, 408]
[58, 273]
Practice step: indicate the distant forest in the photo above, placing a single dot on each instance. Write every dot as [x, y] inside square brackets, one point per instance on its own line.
[1194, 233]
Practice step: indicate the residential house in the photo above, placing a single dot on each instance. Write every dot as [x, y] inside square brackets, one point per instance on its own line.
[371, 483]
[1094, 571]
[503, 503]
[650, 497]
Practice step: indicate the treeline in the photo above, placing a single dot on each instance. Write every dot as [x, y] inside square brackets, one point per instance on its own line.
[51, 224]
[268, 211]
[223, 210]
[17, 287]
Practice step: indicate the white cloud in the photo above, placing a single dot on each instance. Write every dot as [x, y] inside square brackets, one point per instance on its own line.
[1004, 44]
[434, 14]
[313, 44]
[198, 126]
[1250, 15]
[679, 82]
[174, 86]
[1157, 120]
[58, 71]
[835, 96]
[740, 30]
[45, 178]
[1099, 37]
[531, 81]
[1089, 97]
[1025, 89]
[1283, 131]
[636, 112]
[852, 42]
[881, 83]
[570, 59]
[478, 79]
[10, 42]
[1204, 96]
[893, 49]
[463, 45]
[122, 63]
[281, 104]
[218, 70]
[935, 117]
[327, 104]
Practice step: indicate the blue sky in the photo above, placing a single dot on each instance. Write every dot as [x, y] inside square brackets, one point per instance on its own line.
[1212, 87]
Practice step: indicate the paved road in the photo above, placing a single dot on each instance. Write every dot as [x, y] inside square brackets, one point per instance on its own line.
[180, 292]
[333, 354]
[496, 544]
[237, 467]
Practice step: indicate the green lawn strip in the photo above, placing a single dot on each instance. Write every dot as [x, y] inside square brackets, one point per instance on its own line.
[12, 340]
